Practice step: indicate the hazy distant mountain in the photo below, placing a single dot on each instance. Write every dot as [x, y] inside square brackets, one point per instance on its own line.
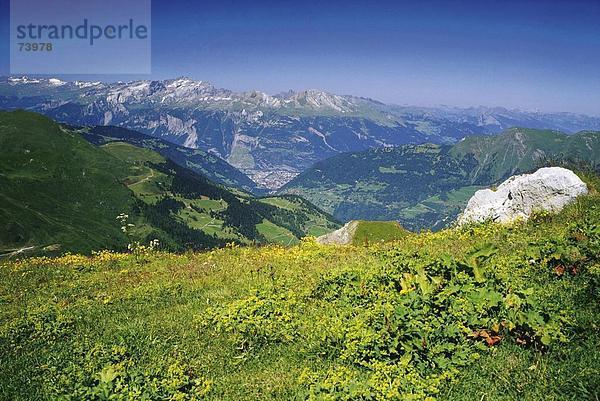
[269, 138]
[426, 186]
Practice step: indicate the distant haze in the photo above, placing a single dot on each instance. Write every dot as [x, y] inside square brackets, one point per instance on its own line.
[519, 54]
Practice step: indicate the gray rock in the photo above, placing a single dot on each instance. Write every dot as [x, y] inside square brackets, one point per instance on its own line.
[548, 189]
[341, 236]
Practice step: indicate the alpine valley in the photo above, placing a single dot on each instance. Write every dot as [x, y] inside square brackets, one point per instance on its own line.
[60, 193]
[271, 139]
[427, 186]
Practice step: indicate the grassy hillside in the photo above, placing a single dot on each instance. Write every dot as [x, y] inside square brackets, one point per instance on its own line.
[55, 188]
[521, 149]
[483, 312]
[426, 186]
[61, 193]
[371, 232]
[216, 211]
[389, 184]
[199, 161]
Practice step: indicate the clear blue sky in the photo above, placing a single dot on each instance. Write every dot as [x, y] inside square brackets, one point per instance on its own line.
[528, 54]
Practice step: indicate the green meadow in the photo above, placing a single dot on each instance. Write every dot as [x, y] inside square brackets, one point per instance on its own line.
[482, 312]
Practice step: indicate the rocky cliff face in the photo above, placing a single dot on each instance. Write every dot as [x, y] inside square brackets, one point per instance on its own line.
[548, 189]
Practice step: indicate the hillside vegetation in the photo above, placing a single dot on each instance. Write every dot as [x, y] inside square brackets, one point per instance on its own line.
[369, 232]
[426, 186]
[520, 149]
[55, 188]
[483, 312]
[199, 161]
[60, 193]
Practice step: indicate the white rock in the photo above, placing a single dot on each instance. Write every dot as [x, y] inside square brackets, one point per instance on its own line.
[548, 189]
[341, 236]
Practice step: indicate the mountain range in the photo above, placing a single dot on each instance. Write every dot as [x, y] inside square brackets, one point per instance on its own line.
[59, 192]
[426, 186]
[269, 138]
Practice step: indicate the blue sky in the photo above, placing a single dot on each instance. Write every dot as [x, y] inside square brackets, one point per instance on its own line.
[527, 54]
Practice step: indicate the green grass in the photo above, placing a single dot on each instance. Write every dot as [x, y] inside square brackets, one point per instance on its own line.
[316, 230]
[280, 202]
[146, 182]
[276, 234]
[132, 154]
[369, 232]
[56, 188]
[314, 223]
[510, 373]
[210, 204]
[482, 312]
[394, 321]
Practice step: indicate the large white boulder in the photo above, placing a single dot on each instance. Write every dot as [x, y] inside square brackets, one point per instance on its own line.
[548, 189]
[341, 236]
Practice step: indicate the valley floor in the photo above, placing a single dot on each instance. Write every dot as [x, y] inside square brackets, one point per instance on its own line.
[477, 313]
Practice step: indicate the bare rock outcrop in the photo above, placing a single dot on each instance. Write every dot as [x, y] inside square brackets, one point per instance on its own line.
[548, 189]
[341, 236]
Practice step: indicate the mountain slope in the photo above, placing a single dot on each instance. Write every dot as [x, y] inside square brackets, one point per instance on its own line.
[199, 161]
[426, 186]
[165, 188]
[521, 149]
[490, 312]
[58, 189]
[269, 138]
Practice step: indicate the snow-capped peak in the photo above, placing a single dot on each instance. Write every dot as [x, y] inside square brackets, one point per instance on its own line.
[316, 99]
[22, 80]
[56, 82]
[187, 91]
[85, 84]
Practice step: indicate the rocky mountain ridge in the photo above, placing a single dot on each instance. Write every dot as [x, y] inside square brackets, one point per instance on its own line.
[270, 138]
